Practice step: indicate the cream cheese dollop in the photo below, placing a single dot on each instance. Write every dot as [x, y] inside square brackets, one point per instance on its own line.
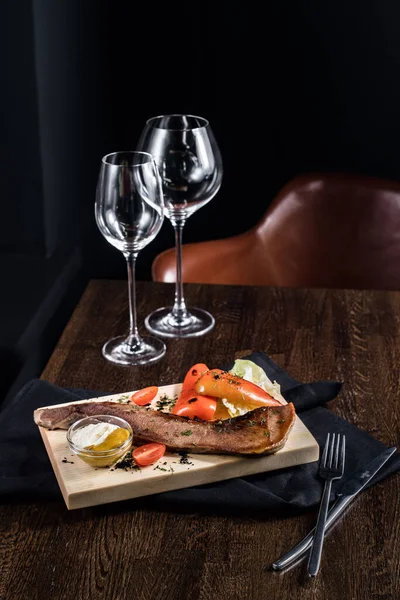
[92, 435]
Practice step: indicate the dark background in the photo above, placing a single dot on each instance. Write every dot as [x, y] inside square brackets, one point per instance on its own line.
[288, 88]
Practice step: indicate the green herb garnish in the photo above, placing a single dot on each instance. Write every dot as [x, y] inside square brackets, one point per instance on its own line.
[127, 463]
[158, 468]
[187, 432]
[123, 399]
[166, 402]
[184, 460]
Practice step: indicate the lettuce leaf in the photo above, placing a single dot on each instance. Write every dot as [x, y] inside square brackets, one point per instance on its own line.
[248, 370]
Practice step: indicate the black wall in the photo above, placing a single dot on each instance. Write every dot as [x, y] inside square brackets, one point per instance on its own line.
[20, 161]
[288, 87]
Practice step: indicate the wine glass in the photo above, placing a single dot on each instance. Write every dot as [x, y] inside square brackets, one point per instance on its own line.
[129, 212]
[190, 165]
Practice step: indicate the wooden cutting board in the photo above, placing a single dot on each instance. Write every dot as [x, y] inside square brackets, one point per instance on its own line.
[81, 485]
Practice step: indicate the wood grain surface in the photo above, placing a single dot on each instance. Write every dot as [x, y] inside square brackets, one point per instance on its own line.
[119, 551]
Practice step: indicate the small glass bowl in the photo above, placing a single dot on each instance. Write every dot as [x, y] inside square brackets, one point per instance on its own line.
[97, 458]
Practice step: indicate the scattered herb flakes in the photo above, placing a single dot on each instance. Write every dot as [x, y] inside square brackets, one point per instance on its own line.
[184, 460]
[195, 444]
[125, 399]
[127, 463]
[158, 468]
[165, 402]
[263, 421]
[266, 433]
[282, 421]
[187, 432]
[251, 423]
[220, 429]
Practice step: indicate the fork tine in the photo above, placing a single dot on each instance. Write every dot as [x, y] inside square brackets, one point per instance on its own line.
[325, 453]
[331, 449]
[342, 454]
[336, 461]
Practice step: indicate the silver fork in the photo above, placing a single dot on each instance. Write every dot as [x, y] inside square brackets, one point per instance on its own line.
[331, 467]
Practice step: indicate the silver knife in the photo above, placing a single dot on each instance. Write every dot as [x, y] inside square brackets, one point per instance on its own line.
[350, 489]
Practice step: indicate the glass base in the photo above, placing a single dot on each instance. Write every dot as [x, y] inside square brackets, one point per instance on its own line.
[119, 352]
[195, 323]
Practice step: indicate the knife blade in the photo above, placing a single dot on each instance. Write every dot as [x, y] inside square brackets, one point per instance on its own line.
[349, 491]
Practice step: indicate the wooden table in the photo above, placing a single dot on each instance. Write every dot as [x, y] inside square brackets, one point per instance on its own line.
[113, 552]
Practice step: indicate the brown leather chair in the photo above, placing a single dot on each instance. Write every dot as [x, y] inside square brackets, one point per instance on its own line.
[322, 230]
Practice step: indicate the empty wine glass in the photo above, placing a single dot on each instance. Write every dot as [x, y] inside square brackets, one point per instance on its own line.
[190, 165]
[129, 213]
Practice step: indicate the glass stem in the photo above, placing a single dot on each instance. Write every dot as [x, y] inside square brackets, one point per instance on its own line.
[133, 340]
[179, 310]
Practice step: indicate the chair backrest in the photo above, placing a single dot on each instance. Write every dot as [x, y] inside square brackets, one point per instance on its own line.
[334, 230]
[322, 230]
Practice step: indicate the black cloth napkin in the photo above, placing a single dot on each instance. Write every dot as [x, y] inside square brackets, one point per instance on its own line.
[26, 473]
